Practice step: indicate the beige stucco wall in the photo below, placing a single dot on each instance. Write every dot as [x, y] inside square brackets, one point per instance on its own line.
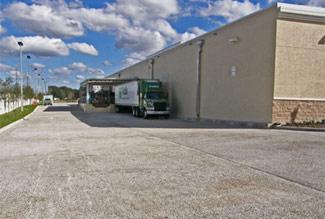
[176, 68]
[300, 60]
[140, 70]
[246, 97]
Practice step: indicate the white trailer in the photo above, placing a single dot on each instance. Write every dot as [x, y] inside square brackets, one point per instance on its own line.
[127, 94]
[48, 99]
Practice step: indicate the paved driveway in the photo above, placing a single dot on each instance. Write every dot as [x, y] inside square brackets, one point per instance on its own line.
[64, 163]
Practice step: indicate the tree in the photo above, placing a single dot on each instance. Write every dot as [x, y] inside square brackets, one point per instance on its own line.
[64, 93]
[28, 92]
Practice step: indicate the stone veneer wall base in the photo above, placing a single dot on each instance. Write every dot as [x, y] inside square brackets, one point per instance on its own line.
[295, 111]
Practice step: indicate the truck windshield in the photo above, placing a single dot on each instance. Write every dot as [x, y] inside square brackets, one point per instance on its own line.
[154, 95]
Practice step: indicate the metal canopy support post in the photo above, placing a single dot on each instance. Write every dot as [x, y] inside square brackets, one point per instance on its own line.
[87, 93]
[198, 78]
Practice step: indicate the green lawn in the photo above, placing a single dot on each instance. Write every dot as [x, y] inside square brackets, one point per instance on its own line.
[7, 118]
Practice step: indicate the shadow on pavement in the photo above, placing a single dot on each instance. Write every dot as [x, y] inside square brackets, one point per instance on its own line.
[96, 119]
[68, 108]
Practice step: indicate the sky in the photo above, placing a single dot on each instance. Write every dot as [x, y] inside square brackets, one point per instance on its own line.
[71, 40]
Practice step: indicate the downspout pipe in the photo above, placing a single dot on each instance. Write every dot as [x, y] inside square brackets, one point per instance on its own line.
[152, 62]
[198, 77]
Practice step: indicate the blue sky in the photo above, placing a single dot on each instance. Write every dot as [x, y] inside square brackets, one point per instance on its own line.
[70, 40]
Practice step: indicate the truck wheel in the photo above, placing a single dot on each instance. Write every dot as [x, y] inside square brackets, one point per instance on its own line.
[117, 109]
[145, 115]
[136, 112]
[133, 111]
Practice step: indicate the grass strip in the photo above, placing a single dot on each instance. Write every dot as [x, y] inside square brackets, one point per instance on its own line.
[13, 116]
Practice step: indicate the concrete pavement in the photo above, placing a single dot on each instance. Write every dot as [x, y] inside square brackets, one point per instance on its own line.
[64, 163]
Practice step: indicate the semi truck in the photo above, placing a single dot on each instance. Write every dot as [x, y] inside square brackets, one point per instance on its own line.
[144, 97]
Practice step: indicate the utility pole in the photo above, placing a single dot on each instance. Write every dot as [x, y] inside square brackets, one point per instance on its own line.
[20, 44]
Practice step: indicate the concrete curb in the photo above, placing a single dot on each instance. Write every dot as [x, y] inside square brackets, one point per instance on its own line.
[305, 129]
[11, 125]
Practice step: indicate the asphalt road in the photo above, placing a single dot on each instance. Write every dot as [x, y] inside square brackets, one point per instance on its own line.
[64, 163]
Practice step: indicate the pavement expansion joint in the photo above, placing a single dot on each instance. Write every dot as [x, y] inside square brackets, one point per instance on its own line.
[235, 162]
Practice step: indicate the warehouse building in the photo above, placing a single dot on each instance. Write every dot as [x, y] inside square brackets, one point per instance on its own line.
[268, 67]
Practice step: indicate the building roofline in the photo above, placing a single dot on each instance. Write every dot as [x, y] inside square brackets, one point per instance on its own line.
[301, 10]
[291, 11]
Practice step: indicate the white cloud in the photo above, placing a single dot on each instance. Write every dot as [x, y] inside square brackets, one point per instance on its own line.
[66, 82]
[36, 45]
[80, 69]
[80, 78]
[149, 30]
[229, 9]
[144, 9]
[43, 20]
[43, 46]
[196, 30]
[78, 66]
[133, 58]
[191, 33]
[96, 71]
[97, 19]
[38, 65]
[11, 71]
[138, 39]
[107, 63]
[163, 27]
[53, 78]
[65, 71]
[84, 48]
[319, 3]
[6, 68]
[2, 29]
[141, 27]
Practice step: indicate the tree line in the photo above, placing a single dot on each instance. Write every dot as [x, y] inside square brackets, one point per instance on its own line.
[10, 91]
[64, 93]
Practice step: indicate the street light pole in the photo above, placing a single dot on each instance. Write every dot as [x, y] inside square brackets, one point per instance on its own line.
[36, 87]
[44, 85]
[20, 44]
[38, 82]
[28, 69]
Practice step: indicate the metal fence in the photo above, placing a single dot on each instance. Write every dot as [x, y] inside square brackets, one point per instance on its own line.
[7, 106]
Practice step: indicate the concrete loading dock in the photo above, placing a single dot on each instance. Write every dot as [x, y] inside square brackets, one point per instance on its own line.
[97, 95]
[268, 67]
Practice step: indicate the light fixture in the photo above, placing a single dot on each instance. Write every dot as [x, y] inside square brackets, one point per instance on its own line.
[234, 40]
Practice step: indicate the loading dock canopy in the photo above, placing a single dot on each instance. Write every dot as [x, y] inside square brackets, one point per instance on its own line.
[99, 92]
[105, 81]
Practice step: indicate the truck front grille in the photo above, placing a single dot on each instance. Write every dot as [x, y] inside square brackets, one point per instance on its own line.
[160, 106]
